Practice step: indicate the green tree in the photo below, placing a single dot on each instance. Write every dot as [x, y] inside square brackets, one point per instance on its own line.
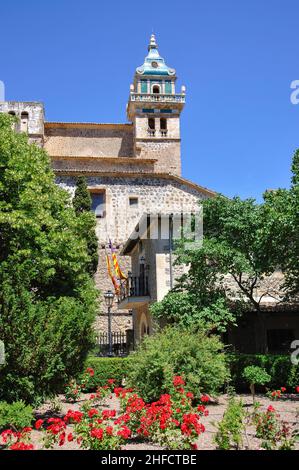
[244, 244]
[82, 206]
[47, 298]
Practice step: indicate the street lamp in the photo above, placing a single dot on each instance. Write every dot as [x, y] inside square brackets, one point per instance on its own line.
[109, 296]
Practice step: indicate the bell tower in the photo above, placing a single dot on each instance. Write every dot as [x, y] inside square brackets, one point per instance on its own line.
[154, 108]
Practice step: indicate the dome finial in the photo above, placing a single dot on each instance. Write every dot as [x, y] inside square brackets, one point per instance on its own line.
[152, 44]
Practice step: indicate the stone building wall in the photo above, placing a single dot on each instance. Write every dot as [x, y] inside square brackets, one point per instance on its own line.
[154, 195]
[89, 140]
[167, 150]
[34, 124]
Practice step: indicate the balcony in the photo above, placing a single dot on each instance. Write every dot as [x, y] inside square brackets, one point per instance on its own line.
[133, 292]
[157, 97]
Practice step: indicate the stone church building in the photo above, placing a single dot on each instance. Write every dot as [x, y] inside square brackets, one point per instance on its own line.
[132, 169]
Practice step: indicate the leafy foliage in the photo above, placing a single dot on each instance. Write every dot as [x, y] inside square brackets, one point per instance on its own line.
[15, 415]
[177, 351]
[106, 368]
[256, 375]
[47, 297]
[82, 206]
[244, 244]
[231, 427]
[279, 368]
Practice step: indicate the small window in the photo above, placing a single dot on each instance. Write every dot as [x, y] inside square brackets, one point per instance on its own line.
[98, 204]
[24, 121]
[279, 341]
[168, 87]
[133, 201]
[156, 89]
[143, 86]
[151, 124]
[163, 124]
[12, 113]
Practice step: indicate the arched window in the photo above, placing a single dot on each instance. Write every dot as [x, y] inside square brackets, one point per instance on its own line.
[14, 124]
[24, 121]
[163, 124]
[151, 124]
[156, 89]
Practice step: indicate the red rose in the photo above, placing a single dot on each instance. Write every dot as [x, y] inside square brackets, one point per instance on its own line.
[92, 412]
[178, 380]
[98, 433]
[21, 446]
[62, 439]
[283, 389]
[90, 371]
[39, 423]
[270, 409]
[109, 430]
[297, 389]
[205, 398]
[70, 437]
[125, 432]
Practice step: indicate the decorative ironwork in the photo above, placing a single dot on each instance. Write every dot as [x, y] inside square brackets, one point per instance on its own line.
[121, 346]
[157, 97]
[134, 286]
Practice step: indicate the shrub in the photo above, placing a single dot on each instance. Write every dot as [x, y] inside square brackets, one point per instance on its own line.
[255, 375]
[104, 368]
[230, 428]
[174, 351]
[15, 415]
[47, 296]
[279, 367]
[274, 433]
[170, 422]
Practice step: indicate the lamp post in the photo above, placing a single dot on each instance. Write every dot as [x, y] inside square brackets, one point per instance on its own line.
[109, 296]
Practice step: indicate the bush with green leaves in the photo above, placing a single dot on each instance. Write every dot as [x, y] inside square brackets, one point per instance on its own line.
[230, 428]
[105, 368]
[15, 415]
[47, 296]
[175, 351]
[255, 375]
[279, 367]
[82, 205]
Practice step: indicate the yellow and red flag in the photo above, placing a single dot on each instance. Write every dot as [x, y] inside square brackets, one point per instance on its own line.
[117, 269]
[114, 281]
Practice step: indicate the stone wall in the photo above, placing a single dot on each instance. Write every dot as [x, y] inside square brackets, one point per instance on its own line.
[167, 150]
[35, 110]
[95, 140]
[154, 195]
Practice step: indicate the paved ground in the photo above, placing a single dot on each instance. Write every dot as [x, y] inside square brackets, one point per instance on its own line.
[287, 408]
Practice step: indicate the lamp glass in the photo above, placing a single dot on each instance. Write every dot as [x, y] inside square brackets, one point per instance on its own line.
[109, 296]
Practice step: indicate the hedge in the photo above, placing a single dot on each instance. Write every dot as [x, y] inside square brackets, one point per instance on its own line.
[108, 368]
[283, 373]
[279, 367]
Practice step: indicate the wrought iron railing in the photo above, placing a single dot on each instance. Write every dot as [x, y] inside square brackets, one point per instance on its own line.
[133, 286]
[121, 345]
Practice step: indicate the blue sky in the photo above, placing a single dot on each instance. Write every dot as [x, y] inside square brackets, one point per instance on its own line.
[236, 58]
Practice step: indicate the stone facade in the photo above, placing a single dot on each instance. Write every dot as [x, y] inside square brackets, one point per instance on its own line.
[135, 167]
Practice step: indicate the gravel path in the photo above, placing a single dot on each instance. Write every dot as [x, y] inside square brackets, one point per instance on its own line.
[288, 410]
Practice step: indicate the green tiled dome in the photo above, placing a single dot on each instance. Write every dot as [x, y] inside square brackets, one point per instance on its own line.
[154, 64]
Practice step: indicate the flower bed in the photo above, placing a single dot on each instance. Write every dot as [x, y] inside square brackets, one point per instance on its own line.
[171, 422]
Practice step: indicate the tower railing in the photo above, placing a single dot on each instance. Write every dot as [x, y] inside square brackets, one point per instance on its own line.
[157, 97]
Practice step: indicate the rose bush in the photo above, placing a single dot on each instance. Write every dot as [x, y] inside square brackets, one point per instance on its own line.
[170, 421]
